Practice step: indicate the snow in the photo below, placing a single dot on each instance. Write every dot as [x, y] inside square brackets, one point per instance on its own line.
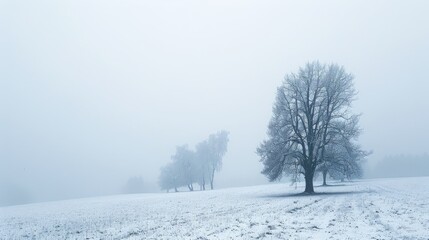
[370, 209]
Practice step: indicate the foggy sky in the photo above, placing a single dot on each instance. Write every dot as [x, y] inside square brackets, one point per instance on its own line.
[95, 92]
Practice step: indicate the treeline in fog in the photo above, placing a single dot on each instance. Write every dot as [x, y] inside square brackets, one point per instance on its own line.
[195, 166]
[401, 165]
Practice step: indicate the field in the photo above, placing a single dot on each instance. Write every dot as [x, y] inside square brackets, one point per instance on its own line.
[369, 209]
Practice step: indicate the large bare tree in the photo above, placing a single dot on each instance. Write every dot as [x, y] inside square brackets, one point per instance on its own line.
[311, 111]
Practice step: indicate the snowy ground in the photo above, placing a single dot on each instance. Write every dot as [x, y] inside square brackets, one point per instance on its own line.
[373, 209]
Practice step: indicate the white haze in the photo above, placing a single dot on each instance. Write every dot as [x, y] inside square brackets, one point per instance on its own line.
[95, 92]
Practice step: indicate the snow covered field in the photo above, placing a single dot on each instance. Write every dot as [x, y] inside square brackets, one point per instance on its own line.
[372, 209]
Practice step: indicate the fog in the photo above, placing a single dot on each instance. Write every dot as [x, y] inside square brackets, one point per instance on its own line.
[93, 93]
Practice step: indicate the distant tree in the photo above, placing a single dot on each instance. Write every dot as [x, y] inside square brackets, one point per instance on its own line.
[202, 163]
[168, 178]
[309, 106]
[184, 159]
[217, 148]
[189, 167]
[401, 165]
[14, 194]
[182, 171]
[134, 185]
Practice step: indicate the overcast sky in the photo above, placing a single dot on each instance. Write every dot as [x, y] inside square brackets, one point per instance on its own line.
[95, 92]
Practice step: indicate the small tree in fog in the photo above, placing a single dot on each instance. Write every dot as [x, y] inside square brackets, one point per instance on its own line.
[168, 179]
[202, 164]
[217, 147]
[184, 160]
[134, 185]
[182, 171]
[189, 167]
[309, 106]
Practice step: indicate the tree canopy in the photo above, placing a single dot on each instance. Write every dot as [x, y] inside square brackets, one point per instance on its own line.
[199, 166]
[312, 123]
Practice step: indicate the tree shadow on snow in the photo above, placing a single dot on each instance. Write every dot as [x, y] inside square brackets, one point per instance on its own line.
[304, 194]
[337, 184]
[333, 185]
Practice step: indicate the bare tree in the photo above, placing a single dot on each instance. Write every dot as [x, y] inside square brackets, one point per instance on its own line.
[168, 179]
[189, 167]
[202, 163]
[182, 171]
[134, 185]
[217, 147]
[185, 162]
[309, 108]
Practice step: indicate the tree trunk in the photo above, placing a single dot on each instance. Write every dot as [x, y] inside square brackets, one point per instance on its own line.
[212, 179]
[204, 184]
[309, 182]
[175, 189]
[191, 188]
[325, 172]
